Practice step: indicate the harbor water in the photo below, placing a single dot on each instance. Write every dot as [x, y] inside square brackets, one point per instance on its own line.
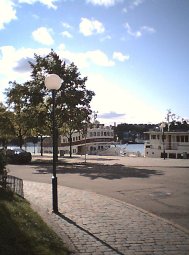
[124, 148]
[133, 148]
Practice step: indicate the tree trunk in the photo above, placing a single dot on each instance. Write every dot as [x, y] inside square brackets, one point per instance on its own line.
[70, 140]
[20, 139]
[41, 143]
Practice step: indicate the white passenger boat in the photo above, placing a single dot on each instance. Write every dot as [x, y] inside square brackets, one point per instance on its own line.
[167, 144]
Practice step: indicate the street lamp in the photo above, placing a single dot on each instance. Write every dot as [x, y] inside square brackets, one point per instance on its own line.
[162, 126]
[53, 82]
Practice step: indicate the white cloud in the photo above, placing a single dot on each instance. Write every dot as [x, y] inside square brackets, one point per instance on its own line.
[89, 27]
[136, 3]
[48, 3]
[105, 3]
[66, 34]
[43, 36]
[125, 10]
[7, 12]
[107, 37]
[132, 33]
[14, 62]
[140, 32]
[11, 58]
[111, 96]
[85, 59]
[119, 56]
[66, 25]
[147, 29]
[99, 58]
[14, 66]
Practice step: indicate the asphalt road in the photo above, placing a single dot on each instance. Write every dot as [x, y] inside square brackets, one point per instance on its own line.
[158, 186]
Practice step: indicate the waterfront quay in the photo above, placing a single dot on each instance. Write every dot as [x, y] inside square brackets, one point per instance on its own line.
[109, 220]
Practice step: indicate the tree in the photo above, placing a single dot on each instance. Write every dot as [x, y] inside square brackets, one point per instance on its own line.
[6, 125]
[126, 132]
[76, 121]
[72, 99]
[17, 100]
[3, 171]
[175, 123]
[31, 102]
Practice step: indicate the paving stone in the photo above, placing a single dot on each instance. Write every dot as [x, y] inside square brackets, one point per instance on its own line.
[95, 224]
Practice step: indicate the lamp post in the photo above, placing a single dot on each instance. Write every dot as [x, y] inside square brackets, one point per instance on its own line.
[53, 82]
[162, 126]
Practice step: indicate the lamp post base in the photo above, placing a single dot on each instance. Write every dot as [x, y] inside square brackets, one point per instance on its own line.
[54, 194]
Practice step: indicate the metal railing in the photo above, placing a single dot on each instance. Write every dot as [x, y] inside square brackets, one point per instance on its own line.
[13, 183]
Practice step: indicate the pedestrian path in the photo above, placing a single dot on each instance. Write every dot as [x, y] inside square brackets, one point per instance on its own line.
[94, 224]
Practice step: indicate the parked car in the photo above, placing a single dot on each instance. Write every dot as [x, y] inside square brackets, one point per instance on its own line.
[18, 156]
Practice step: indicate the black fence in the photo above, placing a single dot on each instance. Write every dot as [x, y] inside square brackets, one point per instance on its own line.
[13, 183]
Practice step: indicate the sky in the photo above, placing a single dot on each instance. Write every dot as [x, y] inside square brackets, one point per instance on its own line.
[135, 53]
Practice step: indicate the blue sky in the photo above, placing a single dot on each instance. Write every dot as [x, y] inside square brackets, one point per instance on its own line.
[135, 53]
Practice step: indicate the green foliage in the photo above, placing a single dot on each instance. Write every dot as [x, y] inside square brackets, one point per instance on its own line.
[7, 131]
[17, 95]
[133, 129]
[73, 99]
[179, 126]
[31, 102]
[22, 231]
[3, 162]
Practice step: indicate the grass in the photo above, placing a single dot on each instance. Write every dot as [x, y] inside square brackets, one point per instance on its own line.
[23, 232]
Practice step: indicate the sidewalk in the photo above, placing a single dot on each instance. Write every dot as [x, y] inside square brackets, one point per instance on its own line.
[94, 224]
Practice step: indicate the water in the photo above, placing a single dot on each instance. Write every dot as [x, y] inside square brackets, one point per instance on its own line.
[133, 147]
[125, 147]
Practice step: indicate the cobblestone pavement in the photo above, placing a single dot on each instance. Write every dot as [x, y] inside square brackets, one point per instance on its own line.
[94, 224]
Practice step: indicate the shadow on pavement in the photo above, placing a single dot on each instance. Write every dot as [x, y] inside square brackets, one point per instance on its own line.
[88, 232]
[95, 170]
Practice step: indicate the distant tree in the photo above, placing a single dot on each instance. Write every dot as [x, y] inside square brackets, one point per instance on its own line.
[7, 130]
[175, 123]
[133, 130]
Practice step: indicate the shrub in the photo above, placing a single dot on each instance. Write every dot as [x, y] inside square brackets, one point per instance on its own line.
[3, 172]
[3, 162]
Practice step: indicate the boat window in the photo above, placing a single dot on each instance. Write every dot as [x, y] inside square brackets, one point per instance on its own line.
[186, 139]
